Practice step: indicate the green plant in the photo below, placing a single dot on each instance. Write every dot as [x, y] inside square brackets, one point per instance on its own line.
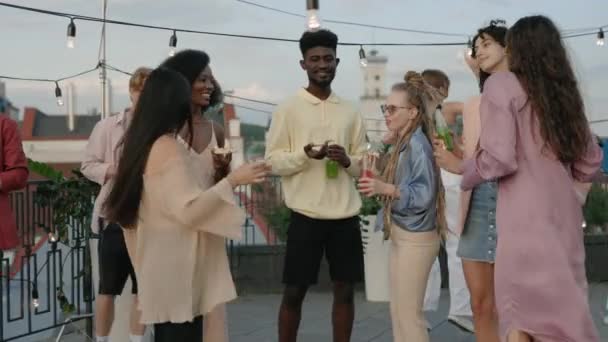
[596, 207]
[278, 220]
[71, 204]
[369, 207]
[70, 199]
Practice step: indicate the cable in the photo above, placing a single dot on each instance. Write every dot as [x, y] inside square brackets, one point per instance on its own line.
[250, 100]
[48, 79]
[388, 28]
[221, 34]
[251, 108]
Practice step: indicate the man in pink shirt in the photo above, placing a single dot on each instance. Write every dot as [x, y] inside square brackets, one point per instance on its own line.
[99, 165]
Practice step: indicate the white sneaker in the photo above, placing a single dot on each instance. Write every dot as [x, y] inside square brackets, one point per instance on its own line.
[463, 322]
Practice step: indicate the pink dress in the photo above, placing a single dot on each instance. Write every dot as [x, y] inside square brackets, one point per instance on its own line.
[540, 281]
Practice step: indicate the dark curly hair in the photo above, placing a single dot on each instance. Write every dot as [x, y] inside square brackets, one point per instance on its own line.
[497, 30]
[538, 58]
[190, 63]
[323, 38]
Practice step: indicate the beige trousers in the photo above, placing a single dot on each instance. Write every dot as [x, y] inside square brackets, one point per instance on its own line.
[411, 258]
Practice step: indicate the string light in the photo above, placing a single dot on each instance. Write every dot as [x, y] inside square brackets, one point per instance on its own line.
[362, 57]
[313, 22]
[600, 37]
[470, 47]
[172, 44]
[35, 302]
[58, 94]
[71, 34]
[52, 237]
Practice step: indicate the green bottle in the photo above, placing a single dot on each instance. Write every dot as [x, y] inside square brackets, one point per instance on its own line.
[443, 131]
[331, 169]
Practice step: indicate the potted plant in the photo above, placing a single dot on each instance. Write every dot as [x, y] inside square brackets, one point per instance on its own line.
[596, 238]
[376, 253]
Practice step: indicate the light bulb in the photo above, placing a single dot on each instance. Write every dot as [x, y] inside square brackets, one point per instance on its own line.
[313, 21]
[71, 42]
[172, 44]
[470, 47]
[58, 95]
[600, 38]
[35, 302]
[71, 34]
[362, 57]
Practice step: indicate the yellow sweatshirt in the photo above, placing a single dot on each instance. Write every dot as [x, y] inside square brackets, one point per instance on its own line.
[305, 119]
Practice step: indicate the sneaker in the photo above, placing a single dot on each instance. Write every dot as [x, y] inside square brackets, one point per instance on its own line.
[462, 322]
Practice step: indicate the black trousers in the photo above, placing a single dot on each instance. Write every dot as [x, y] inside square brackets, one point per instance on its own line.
[179, 332]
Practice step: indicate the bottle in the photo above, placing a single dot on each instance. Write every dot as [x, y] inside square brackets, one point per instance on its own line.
[443, 131]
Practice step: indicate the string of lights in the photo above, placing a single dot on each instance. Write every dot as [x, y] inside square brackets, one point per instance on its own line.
[173, 39]
[312, 20]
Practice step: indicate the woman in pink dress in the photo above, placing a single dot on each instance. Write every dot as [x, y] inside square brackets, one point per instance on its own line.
[535, 141]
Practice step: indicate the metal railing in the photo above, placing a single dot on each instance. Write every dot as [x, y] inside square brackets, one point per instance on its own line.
[43, 282]
[47, 285]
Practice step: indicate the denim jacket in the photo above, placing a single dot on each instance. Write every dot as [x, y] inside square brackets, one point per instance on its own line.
[415, 210]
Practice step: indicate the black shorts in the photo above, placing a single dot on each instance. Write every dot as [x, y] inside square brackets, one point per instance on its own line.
[114, 262]
[308, 239]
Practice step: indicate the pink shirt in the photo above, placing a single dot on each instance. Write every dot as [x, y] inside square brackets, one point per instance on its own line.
[101, 154]
[471, 133]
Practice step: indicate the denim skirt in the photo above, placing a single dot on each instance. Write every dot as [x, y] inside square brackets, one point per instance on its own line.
[478, 238]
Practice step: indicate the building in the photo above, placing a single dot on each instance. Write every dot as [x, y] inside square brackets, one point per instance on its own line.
[374, 95]
[58, 140]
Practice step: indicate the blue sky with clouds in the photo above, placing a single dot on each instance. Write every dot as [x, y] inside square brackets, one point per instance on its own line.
[34, 44]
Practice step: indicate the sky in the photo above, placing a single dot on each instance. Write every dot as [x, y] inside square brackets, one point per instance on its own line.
[35, 45]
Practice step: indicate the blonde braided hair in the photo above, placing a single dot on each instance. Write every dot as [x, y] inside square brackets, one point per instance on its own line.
[419, 95]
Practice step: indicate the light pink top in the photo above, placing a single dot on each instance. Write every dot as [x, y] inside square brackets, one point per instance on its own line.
[178, 245]
[100, 155]
[471, 132]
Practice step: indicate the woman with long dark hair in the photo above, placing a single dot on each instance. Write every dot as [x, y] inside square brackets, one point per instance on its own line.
[536, 141]
[157, 192]
[205, 136]
[477, 227]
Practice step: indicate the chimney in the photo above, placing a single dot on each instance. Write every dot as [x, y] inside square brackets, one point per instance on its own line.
[109, 96]
[71, 108]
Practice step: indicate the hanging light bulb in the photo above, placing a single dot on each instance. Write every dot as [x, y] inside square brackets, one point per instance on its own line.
[600, 37]
[35, 302]
[313, 22]
[58, 94]
[172, 44]
[71, 34]
[362, 58]
[470, 47]
[52, 237]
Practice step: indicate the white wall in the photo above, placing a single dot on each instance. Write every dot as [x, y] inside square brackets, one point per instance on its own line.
[55, 151]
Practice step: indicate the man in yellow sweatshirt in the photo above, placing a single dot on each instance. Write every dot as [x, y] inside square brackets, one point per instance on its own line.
[316, 142]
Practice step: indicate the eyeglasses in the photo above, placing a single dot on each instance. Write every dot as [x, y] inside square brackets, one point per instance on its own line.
[390, 109]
